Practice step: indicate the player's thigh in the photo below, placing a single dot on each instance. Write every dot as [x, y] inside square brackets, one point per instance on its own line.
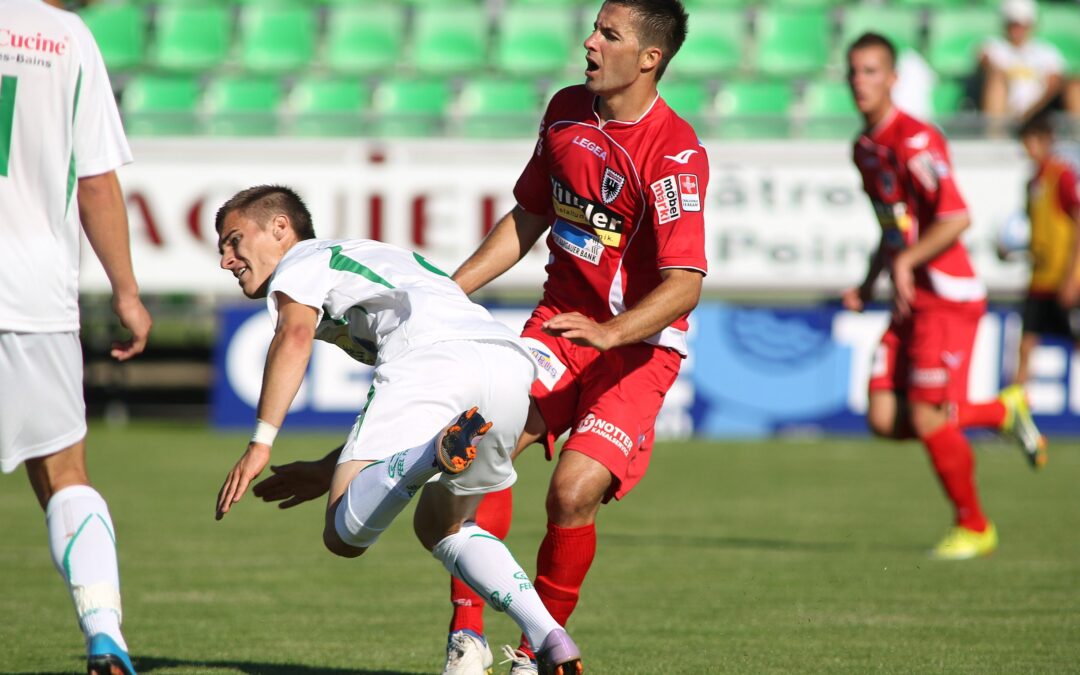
[502, 378]
[555, 391]
[440, 513]
[41, 403]
[621, 395]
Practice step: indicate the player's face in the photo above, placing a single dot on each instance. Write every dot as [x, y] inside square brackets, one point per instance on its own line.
[871, 77]
[1038, 146]
[250, 252]
[612, 52]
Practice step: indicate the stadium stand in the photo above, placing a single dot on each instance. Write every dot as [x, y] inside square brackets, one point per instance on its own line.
[738, 55]
[242, 105]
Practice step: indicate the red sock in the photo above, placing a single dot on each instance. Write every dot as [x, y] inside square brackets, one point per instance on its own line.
[494, 515]
[980, 415]
[954, 463]
[561, 564]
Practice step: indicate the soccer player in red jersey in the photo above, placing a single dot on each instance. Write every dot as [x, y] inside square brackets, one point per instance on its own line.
[918, 384]
[617, 181]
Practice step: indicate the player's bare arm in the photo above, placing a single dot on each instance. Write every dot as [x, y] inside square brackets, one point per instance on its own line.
[104, 219]
[286, 363]
[677, 294]
[942, 234]
[298, 482]
[507, 243]
[855, 299]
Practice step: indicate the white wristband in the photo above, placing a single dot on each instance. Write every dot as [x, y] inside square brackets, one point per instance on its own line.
[265, 433]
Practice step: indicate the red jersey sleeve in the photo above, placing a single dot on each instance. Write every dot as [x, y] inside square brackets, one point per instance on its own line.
[928, 163]
[676, 197]
[533, 188]
[1069, 192]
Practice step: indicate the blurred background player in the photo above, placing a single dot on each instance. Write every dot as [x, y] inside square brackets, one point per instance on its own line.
[60, 143]
[918, 381]
[435, 354]
[1053, 208]
[617, 181]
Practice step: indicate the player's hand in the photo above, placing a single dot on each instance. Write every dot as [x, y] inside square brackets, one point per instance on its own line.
[581, 330]
[295, 483]
[852, 299]
[134, 317]
[236, 484]
[903, 276]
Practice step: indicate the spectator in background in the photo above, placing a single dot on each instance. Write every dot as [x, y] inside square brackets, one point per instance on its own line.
[1053, 207]
[1021, 76]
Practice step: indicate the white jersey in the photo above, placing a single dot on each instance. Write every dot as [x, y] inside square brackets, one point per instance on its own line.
[1027, 69]
[378, 301]
[58, 123]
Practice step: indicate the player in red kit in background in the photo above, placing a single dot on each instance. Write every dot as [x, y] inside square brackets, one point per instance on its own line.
[918, 382]
[618, 182]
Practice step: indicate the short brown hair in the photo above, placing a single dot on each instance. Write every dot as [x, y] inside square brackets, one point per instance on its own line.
[874, 40]
[660, 23]
[263, 202]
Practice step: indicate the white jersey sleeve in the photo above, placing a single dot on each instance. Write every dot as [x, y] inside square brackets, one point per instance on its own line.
[100, 143]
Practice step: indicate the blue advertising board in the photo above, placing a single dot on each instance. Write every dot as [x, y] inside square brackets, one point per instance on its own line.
[754, 371]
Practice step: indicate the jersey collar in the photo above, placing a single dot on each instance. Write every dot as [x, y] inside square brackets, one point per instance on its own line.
[601, 123]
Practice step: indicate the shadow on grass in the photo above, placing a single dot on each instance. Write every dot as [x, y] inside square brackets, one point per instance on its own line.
[149, 664]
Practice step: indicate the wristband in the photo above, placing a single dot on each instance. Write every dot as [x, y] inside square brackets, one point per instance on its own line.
[265, 433]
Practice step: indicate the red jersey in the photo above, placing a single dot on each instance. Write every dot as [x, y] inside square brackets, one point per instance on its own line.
[907, 174]
[625, 201]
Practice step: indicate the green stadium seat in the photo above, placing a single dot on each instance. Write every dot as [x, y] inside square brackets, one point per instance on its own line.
[441, 3]
[243, 105]
[792, 41]
[120, 31]
[410, 106]
[499, 108]
[697, 5]
[161, 105]
[276, 38]
[899, 24]
[568, 4]
[537, 41]
[1059, 24]
[754, 109]
[449, 40]
[955, 37]
[942, 4]
[829, 109]
[365, 39]
[689, 99]
[947, 99]
[714, 44]
[191, 38]
[818, 4]
[324, 106]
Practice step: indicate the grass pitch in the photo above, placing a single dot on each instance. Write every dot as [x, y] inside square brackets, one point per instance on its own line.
[784, 556]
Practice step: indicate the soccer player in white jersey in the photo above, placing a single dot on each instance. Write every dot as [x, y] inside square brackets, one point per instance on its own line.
[435, 353]
[60, 143]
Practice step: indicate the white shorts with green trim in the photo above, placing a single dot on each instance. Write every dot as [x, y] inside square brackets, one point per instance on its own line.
[415, 396]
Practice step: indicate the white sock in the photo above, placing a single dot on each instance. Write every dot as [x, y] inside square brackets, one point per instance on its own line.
[84, 551]
[484, 563]
[379, 493]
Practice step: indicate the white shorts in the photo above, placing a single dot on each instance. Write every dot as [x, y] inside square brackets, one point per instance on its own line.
[41, 397]
[414, 397]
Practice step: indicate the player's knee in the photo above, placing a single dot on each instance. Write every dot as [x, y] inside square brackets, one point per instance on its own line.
[335, 545]
[927, 418]
[570, 507]
[880, 426]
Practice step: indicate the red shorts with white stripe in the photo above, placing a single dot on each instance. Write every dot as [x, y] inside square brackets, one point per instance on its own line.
[926, 357]
[607, 400]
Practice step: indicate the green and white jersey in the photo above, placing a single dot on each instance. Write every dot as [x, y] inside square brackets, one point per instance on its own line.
[58, 122]
[378, 301]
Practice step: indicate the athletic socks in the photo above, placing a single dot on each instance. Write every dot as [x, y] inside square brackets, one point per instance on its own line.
[83, 549]
[561, 564]
[951, 455]
[990, 415]
[494, 516]
[482, 561]
[379, 493]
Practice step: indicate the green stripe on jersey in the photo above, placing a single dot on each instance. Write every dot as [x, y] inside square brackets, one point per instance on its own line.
[344, 263]
[7, 119]
[71, 163]
[428, 266]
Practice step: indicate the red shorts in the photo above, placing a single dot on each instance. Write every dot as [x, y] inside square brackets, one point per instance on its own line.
[607, 400]
[927, 356]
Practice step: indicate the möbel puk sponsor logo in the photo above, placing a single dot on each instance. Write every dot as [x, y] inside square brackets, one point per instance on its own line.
[606, 430]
